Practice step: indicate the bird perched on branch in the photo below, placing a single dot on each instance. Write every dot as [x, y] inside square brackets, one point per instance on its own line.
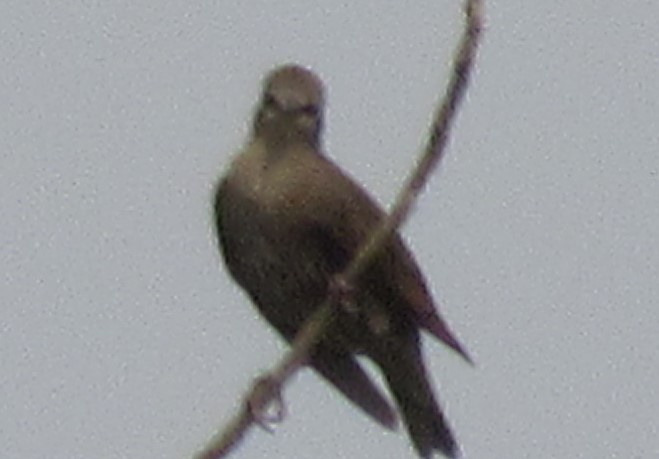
[289, 220]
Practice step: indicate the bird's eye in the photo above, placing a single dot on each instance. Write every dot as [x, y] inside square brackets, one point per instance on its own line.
[269, 100]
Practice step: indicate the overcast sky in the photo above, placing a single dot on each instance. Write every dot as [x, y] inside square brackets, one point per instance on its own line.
[121, 334]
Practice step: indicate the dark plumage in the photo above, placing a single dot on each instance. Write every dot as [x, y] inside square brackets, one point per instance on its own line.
[288, 219]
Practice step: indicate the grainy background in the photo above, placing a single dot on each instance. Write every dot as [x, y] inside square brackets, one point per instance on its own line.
[121, 335]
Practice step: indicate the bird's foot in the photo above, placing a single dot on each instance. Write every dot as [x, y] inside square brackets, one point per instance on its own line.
[266, 404]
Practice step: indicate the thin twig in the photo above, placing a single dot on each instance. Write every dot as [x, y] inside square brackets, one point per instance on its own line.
[316, 325]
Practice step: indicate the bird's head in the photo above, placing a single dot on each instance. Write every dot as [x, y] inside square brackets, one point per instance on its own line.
[291, 107]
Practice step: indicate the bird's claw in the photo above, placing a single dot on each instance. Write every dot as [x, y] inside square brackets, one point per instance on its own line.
[266, 404]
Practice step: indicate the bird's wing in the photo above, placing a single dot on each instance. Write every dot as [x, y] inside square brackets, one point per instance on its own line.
[344, 372]
[347, 215]
[403, 272]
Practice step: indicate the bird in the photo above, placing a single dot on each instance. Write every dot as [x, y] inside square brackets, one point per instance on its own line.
[288, 221]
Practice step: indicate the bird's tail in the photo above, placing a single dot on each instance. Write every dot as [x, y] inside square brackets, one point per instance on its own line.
[344, 372]
[425, 422]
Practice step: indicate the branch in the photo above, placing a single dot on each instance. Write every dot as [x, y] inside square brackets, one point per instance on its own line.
[266, 389]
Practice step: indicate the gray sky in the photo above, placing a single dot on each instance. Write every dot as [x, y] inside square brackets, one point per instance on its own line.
[121, 335]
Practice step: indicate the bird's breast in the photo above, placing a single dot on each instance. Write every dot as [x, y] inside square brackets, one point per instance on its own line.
[270, 209]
